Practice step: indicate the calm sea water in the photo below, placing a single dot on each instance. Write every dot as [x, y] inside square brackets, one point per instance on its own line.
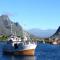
[42, 52]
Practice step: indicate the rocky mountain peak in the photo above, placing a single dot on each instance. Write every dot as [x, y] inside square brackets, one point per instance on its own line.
[5, 27]
[4, 17]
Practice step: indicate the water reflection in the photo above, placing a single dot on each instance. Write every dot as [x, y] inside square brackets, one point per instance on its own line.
[43, 52]
[8, 57]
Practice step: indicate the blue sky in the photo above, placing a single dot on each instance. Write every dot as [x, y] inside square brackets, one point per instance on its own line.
[41, 14]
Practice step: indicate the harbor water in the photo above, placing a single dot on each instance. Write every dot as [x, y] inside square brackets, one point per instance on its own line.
[42, 52]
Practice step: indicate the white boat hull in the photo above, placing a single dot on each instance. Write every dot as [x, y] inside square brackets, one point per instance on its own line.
[28, 49]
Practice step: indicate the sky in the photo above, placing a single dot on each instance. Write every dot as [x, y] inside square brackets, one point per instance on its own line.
[40, 14]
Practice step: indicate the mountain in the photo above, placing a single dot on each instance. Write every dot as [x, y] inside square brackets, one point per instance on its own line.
[5, 26]
[56, 34]
[5, 29]
[42, 33]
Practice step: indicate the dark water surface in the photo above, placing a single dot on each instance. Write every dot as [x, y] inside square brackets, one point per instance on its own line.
[42, 52]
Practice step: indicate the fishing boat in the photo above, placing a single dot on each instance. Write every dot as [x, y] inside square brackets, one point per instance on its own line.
[17, 46]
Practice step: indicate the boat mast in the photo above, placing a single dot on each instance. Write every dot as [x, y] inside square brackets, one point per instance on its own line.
[11, 29]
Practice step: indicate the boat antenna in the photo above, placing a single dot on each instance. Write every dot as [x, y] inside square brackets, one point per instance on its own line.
[11, 28]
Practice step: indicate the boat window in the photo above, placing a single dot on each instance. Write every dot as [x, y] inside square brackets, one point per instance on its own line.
[15, 46]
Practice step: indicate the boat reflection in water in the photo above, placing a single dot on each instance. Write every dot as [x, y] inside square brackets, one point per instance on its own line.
[17, 57]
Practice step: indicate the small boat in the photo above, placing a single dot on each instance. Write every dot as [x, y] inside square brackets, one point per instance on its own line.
[55, 43]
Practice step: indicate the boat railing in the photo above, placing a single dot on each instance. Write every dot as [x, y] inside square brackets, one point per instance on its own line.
[21, 42]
